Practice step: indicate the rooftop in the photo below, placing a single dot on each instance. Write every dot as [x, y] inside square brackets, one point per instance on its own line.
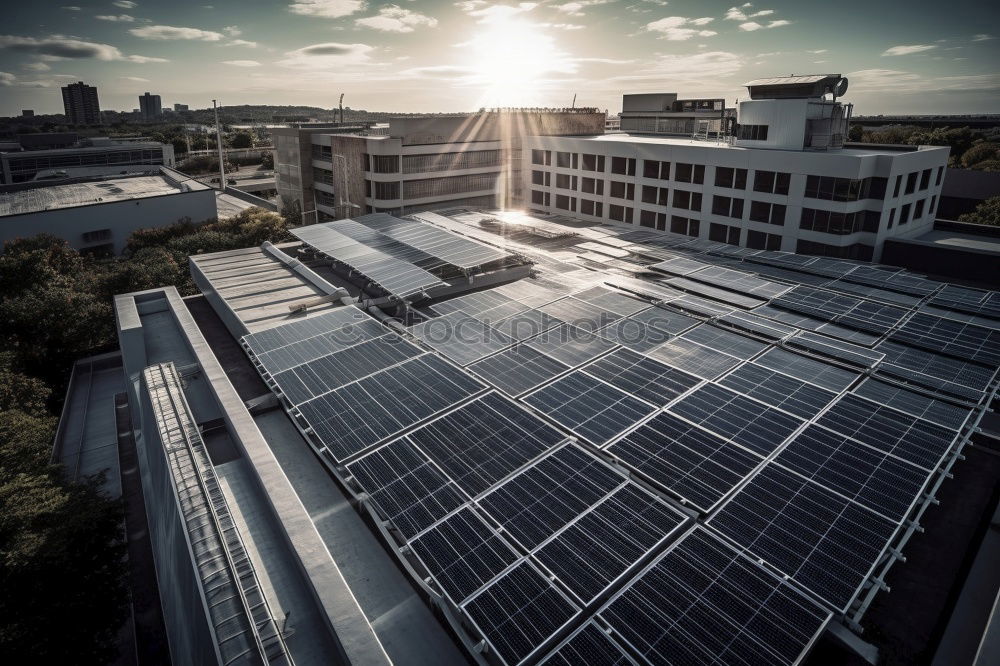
[70, 195]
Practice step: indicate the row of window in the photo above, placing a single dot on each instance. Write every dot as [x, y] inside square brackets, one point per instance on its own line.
[911, 181]
[466, 159]
[829, 222]
[858, 251]
[752, 132]
[845, 189]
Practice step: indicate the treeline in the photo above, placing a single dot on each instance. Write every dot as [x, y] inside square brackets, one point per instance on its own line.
[970, 149]
[63, 594]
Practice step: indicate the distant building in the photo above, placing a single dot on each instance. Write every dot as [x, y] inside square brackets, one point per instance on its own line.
[98, 215]
[180, 107]
[27, 113]
[57, 155]
[81, 104]
[784, 181]
[416, 163]
[663, 113]
[150, 107]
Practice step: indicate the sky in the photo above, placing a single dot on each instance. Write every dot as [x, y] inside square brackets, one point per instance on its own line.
[428, 56]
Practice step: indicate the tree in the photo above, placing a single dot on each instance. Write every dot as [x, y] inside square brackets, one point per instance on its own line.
[987, 165]
[958, 138]
[980, 153]
[19, 391]
[855, 133]
[241, 140]
[267, 159]
[988, 212]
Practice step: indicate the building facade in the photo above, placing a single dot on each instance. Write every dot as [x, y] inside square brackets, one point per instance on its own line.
[25, 165]
[180, 107]
[663, 113]
[81, 104]
[784, 182]
[150, 106]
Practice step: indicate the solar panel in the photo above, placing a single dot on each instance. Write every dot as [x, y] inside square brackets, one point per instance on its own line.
[773, 388]
[915, 440]
[960, 378]
[519, 612]
[752, 323]
[749, 423]
[841, 351]
[704, 603]
[570, 345]
[699, 306]
[688, 285]
[589, 407]
[821, 540]
[725, 341]
[405, 487]
[608, 540]
[363, 413]
[668, 321]
[462, 553]
[694, 358]
[883, 483]
[744, 283]
[295, 331]
[542, 499]
[484, 441]
[679, 266]
[526, 324]
[696, 465]
[517, 370]
[588, 645]
[936, 411]
[633, 334]
[448, 246]
[641, 376]
[460, 337]
[806, 369]
[613, 301]
[473, 304]
[580, 313]
[967, 341]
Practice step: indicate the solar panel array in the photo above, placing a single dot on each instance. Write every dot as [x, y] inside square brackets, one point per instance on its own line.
[702, 475]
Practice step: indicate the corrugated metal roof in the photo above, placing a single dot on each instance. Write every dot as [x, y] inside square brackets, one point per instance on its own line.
[791, 80]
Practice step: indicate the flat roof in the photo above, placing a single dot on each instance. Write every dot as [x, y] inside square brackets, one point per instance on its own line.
[70, 195]
[959, 239]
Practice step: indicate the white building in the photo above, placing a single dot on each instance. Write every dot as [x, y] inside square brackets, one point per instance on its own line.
[785, 181]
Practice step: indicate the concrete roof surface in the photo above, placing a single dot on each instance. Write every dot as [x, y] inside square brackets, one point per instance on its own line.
[82, 194]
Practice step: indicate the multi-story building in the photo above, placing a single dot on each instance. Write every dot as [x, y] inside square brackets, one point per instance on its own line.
[180, 107]
[81, 104]
[663, 113]
[417, 163]
[150, 106]
[18, 166]
[784, 181]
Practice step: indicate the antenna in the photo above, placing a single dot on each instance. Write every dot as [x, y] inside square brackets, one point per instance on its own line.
[341, 108]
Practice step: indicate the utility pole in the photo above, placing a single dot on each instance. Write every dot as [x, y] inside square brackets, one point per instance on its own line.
[218, 141]
[341, 108]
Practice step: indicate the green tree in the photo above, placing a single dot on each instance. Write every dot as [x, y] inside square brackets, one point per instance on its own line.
[19, 391]
[980, 153]
[855, 133]
[987, 165]
[959, 139]
[267, 160]
[987, 212]
[241, 140]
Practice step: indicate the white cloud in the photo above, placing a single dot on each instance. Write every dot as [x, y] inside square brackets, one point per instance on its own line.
[165, 32]
[137, 79]
[37, 67]
[982, 37]
[562, 26]
[694, 71]
[144, 59]
[752, 26]
[393, 18]
[7, 79]
[879, 80]
[330, 54]
[241, 42]
[676, 28]
[327, 8]
[241, 63]
[125, 4]
[575, 8]
[487, 12]
[120, 18]
[817, 51]
[907, 49]
[71, 8]
[232, 31]
[61, 47]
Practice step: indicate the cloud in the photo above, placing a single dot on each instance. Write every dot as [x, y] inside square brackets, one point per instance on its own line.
[320, 56]
[165, 32]
[241, 63]
[817, 51]
[37, 67]
[327, 8]
[393, 18]
[120, 18]
[241, 42]
[907, 49]
[61, 47]
[981, 37]
[575, 8]
[562, 26]
[878, 80]
[232, 31]
[752, 26]
[693, 71]
[144, 59]
[675, 28]
[7, 79]
[137, 79]
[71, 8]
[125, 4]
[487, 12]
[744, 13]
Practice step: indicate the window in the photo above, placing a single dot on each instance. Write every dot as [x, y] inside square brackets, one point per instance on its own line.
[655, 169]
[684, 225]
[364, 162]
[939, 174]
[324, 176]
[925, 179]
[566, 160]
[564, 202]
[385, 163]
[690, 173]
[844, 189]
[723, 233]
[622, 190]
[588, 207]
[761, 211]
[918, 211]
[752, 132]
[591, 186]
[565, 181]
[911, 183]
[592, 162]
[895, 190]
[727, 207]
[732, 178]
[858, 251]
[772, 182]
[653, 220]
[98, 235]
[904, 215]
[655, 195]
[539, 197]
[540, 178]
[435, 187]
[466, 159]
[758, 240]
[892, 218]
[933, 204]
[829, 222]
[386, 190]
[623, 166]
[620, 213]
[543, 157]
[368, 188]
[687, 200]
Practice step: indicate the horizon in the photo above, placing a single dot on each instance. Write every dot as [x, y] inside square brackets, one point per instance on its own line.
[419, 57]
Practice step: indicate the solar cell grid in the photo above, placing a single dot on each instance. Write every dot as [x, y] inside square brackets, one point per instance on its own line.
[608, 540]
[806, 369]
[824, 542]
[693, 358]
[316, 346]
[519, 612]
[773, 388]
[484, 441]
[611, 300]
[460, 337]
[847, 334]
[526, 324]
[517, 370]
[699, 306]
[641, 376]
[679, 266]
[749, 423]
[703, 603]
[570, 345]
[580, 313]
[591, 646]
[883, 483]
[447, 246]
[668, 321]
[915, 440]
[842, 351]
[961, 378]
[722, 295]
[694, 464]
[589, 407]
[745, 321]
[472, 304]
[278, 336]
[725, 341]
[936, 411]
[744, 283]
[967, 341]
[545, 497]
[634, 334]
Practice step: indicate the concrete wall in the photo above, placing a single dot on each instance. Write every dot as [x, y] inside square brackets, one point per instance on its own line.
[120, 217]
